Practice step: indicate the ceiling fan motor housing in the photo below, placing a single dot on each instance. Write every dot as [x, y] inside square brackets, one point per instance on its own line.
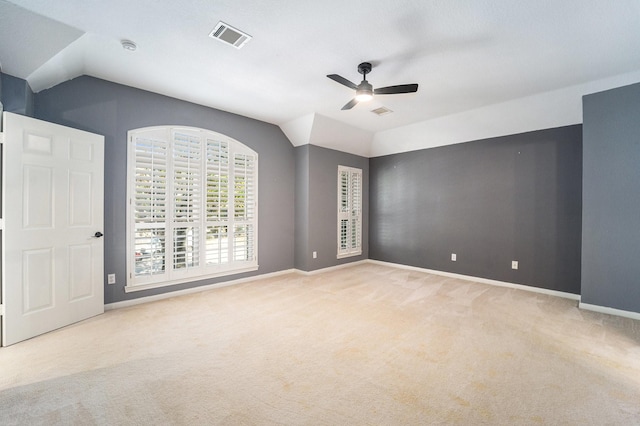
[364, 92]
[365, 86]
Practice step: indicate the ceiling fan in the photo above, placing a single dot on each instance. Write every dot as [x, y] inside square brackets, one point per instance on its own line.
[364, 90]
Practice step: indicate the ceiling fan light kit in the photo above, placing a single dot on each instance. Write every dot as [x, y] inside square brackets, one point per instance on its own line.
[365, 91]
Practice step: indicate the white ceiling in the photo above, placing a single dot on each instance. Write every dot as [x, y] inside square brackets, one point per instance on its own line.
[466, 55]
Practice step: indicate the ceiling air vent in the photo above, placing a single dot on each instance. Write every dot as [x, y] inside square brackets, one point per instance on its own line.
[229, 35]
[381, 111]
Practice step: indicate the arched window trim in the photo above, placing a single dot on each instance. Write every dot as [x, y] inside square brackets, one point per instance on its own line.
[192, 206]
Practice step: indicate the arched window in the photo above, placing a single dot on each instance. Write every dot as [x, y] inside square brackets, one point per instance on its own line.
[192, 206]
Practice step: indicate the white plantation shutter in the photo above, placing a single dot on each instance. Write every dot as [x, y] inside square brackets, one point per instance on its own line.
[149, 206]
[217, 169]
[244, 206]
[187, 200]
[193, 206]
[349, 211]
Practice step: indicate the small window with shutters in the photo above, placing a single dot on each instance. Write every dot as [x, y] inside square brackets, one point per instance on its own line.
[349, 211]
[192, 210]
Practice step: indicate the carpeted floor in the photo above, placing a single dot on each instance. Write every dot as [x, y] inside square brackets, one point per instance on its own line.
[364, 345]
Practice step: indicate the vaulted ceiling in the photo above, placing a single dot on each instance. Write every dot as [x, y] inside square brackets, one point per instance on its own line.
[468, 56]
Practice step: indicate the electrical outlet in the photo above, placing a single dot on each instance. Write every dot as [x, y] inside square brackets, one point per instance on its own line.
[454, 257]
[315, 254]
[111, 279]
[514, 264]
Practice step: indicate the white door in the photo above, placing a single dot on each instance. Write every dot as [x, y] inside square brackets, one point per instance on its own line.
[52, 253]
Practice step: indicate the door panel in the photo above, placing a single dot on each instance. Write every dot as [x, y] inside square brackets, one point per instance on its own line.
[37, 281]
[81, 275]
[37, 197]
[79, 204]
[52, 270]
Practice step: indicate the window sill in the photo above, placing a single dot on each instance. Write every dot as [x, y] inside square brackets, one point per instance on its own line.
[131, 288]
[343, 256]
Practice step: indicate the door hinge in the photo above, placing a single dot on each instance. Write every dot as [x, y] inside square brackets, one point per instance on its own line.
[1, 224]
[1, 138]
[1, 310]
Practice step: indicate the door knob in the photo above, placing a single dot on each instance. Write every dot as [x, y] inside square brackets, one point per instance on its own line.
[98, 234]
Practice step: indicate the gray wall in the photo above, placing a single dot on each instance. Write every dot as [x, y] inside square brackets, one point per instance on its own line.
[111, 110]
[491, 201]
[321, 213]
[301, 261]
[611, 188]
[16, 95]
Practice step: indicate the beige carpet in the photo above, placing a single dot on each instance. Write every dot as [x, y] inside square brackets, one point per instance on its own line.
[369, 344]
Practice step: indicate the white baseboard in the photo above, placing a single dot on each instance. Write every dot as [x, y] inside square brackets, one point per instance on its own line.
[331, 268]
[481, 280]
[146, 299]
[610, 311]
[153, 298]
[585, 306]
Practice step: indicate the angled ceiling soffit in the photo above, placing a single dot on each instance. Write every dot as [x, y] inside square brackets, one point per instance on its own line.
[44, 38]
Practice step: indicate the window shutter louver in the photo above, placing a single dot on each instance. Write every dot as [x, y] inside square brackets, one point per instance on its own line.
[244, 206]
[355, 207]
[150, 206]
[217, 166]
[187, 200]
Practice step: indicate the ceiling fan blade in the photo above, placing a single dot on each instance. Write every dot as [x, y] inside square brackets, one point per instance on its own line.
[350, 104]
[342, 80]
[401, 88]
